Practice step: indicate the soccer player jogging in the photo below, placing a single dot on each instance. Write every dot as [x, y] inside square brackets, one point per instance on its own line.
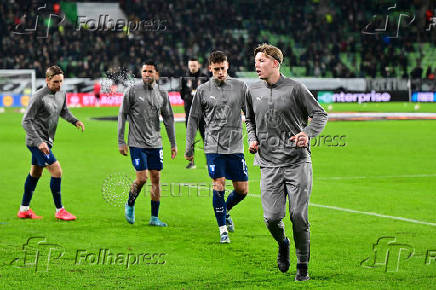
[142, 105]
[40, 121]
[219, 102]
[278, 109]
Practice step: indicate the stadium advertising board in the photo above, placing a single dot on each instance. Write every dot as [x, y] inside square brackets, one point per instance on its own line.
[423, 97]
[327, 97]
[82, 100]
[14, 100]
[112, 100]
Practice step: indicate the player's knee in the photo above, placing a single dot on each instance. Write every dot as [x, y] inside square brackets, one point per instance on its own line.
[36, 172]
[219, 185]
[272, 221]
[141, 180]
[242, 189]
[155, 176]
[155, 187]
[155, 180]
[299, 221]
[55, 169]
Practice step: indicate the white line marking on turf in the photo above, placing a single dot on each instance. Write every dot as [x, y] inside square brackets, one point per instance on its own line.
[385, 176]
[365, 177]
[366, 213]
[374, 214]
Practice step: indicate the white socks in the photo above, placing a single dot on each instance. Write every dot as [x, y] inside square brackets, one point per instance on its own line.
[24, 208]
[223, 229]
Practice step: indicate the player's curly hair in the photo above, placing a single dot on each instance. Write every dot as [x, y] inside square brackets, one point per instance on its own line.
[52, 71]
[270, 50]
[217, 57]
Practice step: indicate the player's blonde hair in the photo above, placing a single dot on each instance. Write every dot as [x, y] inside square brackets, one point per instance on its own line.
[270, 50]
[52, 71]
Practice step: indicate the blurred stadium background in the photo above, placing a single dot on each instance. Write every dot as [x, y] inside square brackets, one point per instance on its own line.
[320, 39]
[363, 60]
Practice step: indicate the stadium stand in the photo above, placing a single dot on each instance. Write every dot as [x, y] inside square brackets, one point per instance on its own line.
[319, 38]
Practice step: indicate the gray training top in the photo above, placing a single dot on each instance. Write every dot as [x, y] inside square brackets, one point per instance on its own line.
[42, 115]
[277, 112]
[142, 105]
[220, 104]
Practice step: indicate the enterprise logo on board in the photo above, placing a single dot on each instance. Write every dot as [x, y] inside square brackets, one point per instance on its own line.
[326, 97]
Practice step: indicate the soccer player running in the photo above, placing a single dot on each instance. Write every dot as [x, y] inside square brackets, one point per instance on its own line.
[142, 105]
[40, 121]
[190, 83]
[278, 109]
[219, 102]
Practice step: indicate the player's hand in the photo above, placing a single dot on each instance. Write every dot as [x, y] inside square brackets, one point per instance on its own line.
[80, 125]
[173, 152]
[44, 148]
[254, 146]
[189, 158]
[123, 149]
[301, 139]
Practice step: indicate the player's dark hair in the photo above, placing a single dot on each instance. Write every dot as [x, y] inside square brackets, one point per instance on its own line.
[270, 50]
[150, 62]
[52, 71]
[217, 57]
[193, 59]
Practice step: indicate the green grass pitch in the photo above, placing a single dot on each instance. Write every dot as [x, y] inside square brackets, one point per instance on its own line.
[386, 171]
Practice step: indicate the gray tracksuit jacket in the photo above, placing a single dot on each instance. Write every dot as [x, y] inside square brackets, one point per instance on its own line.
[142, 105]
[277, 112]
[220, 105]
[42, 115]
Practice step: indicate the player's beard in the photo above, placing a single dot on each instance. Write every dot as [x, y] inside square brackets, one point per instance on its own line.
[54, 89]
[148, 81]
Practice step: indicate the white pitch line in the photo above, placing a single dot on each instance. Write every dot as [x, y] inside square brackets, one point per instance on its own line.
[365, 177]
[385, 176]
[366, 213]
[374, 214]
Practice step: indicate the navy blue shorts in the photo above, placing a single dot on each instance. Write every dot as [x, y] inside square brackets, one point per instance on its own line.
[230, 166]
[146, 158]
[40, 159]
